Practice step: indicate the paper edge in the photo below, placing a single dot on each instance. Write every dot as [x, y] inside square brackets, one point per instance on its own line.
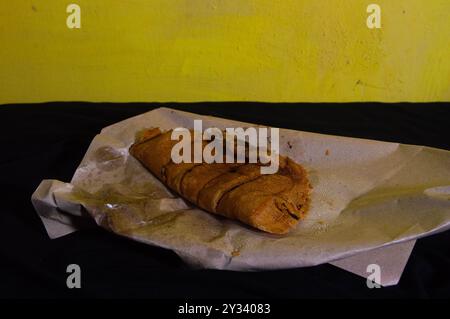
[358, 263]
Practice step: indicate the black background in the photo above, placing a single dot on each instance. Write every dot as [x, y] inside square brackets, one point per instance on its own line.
[47, 141]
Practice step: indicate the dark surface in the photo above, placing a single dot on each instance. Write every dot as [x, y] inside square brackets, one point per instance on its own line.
[47, 141]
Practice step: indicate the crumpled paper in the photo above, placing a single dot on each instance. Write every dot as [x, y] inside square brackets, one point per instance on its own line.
[366, 194]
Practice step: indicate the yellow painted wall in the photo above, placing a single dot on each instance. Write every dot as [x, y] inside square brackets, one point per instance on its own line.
[216, 50]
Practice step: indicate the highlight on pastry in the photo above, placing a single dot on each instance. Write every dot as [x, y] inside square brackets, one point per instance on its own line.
[238, 190]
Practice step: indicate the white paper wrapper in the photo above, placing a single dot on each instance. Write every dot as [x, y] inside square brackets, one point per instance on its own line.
[366, 194]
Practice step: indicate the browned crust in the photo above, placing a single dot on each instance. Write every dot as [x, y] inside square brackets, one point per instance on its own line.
[272, 203]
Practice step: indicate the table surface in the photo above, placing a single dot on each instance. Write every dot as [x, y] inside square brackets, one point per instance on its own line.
[48, 141]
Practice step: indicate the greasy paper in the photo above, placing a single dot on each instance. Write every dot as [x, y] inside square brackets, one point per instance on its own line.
[366, 194]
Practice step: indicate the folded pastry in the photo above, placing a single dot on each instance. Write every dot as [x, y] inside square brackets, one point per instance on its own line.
[273, 203]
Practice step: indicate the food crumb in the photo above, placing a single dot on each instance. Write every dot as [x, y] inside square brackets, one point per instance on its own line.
[235, 253]
[327, 152]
